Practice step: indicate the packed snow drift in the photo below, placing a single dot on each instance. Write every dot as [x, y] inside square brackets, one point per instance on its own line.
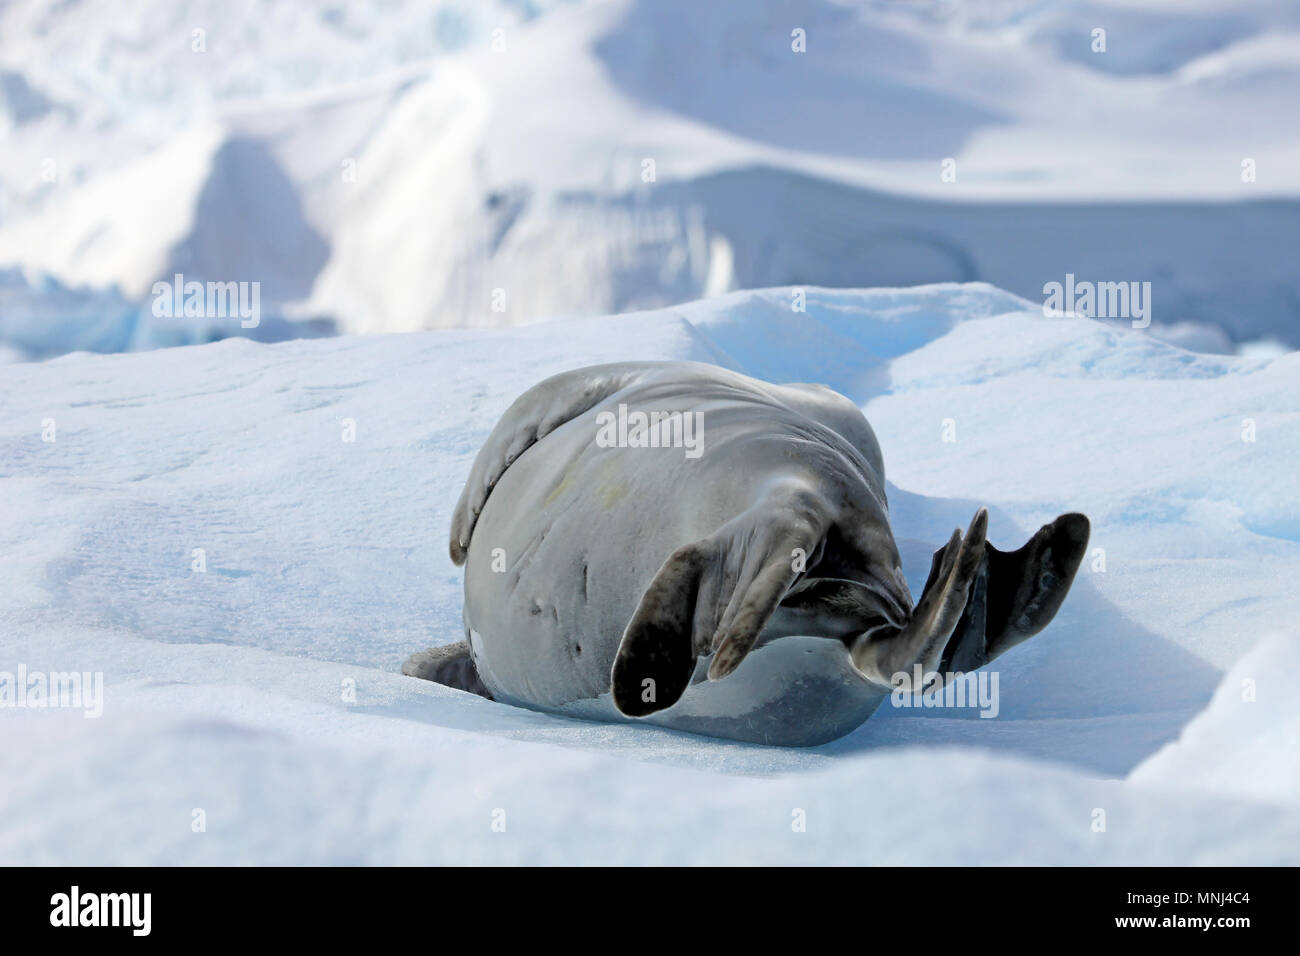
[412, 165]
[234, 546]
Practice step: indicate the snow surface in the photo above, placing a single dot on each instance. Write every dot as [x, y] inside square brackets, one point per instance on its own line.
[390, 165]
[265, 691]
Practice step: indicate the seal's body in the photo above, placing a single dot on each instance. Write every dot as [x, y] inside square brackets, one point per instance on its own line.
[634, 533]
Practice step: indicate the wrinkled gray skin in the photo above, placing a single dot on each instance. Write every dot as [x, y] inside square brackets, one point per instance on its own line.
[753, 592]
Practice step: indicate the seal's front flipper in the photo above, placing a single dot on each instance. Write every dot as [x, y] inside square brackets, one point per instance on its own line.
[452, 665]
[1016, 593]
[656, 656]
[715, 595]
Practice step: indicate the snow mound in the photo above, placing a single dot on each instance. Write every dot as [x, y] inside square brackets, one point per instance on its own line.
[246, 541]
[469, 164]
[214, 207]
[1247, 742]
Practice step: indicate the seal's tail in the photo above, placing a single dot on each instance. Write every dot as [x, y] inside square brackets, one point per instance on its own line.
[1016, 593]
[979, 602]
[451, 665]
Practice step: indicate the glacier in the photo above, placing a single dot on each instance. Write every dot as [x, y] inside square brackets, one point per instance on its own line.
[411, 164]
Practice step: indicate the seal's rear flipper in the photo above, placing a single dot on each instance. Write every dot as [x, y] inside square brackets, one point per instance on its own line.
[1015, 593]
[451, 665]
